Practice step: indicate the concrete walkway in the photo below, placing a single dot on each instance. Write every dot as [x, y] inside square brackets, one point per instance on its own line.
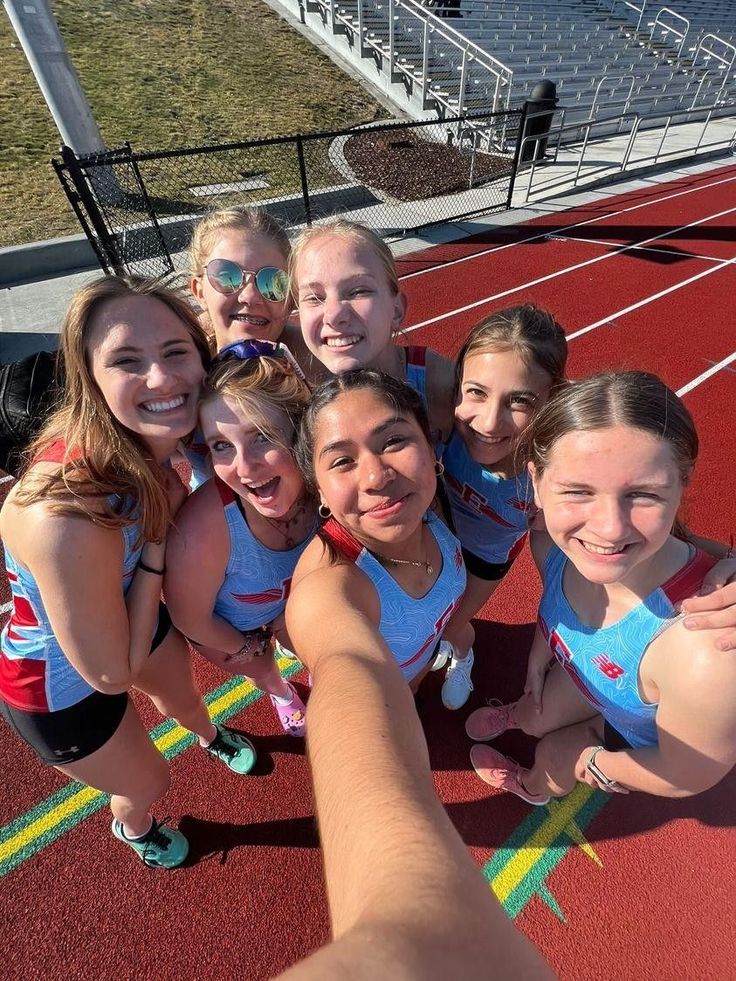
[31, 313]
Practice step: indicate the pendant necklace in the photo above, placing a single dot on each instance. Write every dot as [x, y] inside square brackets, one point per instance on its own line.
[427, 566]
[282, 524]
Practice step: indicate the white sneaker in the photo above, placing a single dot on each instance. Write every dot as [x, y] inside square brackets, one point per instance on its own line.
[457, 685]
[443, 655]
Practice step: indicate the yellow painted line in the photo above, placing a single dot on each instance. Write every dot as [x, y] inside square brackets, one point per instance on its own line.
[574, 832]
[48, 821]
[560, 813]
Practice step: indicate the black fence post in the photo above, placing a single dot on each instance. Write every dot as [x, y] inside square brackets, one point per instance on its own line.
[96, 218]
[74, 201]
[303, 176]
[517, 152]
[149, 208]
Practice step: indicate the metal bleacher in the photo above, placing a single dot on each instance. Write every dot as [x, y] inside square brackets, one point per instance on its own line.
[606, 57]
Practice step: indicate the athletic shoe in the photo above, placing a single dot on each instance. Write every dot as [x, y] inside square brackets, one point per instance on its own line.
[234, 750]
[162, 848]
[293, 716]
[443, 655]
[490, 721]
[281, 651]
[499, 771]
[457, 685]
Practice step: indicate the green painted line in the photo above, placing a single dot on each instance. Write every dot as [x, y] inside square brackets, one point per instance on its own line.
[80, 813]
[534, 882]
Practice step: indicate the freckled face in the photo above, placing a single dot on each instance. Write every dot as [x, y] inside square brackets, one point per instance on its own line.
[610, 499]
[255, 462]
[499, 396]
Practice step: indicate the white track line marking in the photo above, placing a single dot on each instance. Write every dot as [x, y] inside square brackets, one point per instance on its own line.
[634, 248]
[650, 299]
[577, 224]
[706, 375]
[567, 269]
[6, 479]
[5, 608]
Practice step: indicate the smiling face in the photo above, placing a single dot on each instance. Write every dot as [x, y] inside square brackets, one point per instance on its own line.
[374, 469]
[147, 367]
[254, 462]
[499, 395]
[347, 307]
[244, 313]
[610, 497]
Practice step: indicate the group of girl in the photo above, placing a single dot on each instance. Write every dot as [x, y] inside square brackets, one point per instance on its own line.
[381, 489]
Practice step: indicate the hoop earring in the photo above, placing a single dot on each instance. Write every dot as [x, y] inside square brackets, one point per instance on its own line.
[439, 467]
[324, 512]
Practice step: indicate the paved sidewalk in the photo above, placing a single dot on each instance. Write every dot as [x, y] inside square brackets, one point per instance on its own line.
[31, 314]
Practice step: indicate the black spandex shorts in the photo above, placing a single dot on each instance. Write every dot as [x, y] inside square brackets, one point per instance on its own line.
[612, 739]
[70, 734]
[490, 571]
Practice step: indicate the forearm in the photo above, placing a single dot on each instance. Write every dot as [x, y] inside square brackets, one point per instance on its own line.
[643, 770]
[393, 861]
[209, 630]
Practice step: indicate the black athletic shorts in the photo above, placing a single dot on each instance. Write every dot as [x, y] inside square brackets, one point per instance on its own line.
[70, 734]
[612, 739]
[490, 571]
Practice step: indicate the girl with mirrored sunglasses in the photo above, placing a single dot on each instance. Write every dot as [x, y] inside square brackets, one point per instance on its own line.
[238, 538]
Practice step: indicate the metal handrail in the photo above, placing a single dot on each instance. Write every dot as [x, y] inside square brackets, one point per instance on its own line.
[637, 119]
[620, 78]
[433, 29]
[714, 54]
[633, 6]
[670, 28]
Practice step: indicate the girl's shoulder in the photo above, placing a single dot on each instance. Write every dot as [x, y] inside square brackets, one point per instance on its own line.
[197, 518]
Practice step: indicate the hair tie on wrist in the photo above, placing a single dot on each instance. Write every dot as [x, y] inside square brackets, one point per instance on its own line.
[148, 568]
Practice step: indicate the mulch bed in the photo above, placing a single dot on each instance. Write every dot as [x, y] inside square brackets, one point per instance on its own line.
[408, 168]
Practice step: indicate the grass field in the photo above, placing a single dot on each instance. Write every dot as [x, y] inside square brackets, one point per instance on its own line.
[161, 74]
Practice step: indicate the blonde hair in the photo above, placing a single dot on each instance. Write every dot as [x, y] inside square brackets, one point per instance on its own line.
[341, 228]
[240, 218]
[531, 332]
[256, 383]
[106, 473]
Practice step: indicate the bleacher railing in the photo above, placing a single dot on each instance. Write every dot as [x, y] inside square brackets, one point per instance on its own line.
[420, 46]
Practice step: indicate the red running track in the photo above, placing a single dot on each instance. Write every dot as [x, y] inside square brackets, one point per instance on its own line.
[640, 888]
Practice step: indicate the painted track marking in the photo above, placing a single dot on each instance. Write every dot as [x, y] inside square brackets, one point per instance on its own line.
[707, 374]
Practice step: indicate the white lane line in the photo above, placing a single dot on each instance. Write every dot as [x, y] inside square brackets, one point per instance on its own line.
[6, 608]
[6, 479]
[577, 224]
[567, 269]
[706, 375]
[651, 299]
[645, 248]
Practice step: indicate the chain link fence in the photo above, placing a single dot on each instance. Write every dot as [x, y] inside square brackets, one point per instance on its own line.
[138, 209]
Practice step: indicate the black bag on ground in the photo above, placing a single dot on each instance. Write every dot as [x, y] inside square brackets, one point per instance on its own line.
[28, 390]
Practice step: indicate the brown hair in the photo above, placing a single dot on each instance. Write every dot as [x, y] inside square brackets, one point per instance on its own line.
[257, 382]
[349, 231]
[107, 473]
[527, 329]
[619, 398]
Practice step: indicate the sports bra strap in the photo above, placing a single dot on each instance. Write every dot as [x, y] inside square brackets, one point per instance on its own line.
[55, 453]
[416, 355]
[227, 494]
[687, 580]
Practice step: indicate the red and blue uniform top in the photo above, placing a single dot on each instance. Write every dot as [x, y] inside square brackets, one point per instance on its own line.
[411, 627]
[603, 662]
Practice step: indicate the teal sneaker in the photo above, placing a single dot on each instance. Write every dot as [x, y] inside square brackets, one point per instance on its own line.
[162, 848]
[234, 750]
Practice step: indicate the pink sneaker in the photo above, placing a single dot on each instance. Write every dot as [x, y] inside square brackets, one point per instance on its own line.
[499, 771]
[292, 716]
[490, 721]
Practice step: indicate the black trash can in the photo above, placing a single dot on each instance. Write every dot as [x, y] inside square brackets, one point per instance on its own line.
[539, 121]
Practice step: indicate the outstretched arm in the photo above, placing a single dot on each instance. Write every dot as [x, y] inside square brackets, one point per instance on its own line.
[405, 897]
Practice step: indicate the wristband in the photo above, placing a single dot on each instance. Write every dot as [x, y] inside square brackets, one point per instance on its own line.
[148, 568]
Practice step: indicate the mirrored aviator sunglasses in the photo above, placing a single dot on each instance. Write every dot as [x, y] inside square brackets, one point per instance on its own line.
[226, 276]
[246, 350]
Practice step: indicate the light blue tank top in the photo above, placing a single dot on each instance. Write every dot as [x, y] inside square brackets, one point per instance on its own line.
[490, 513]
[603, 662]
[257, 579]
[411, 627]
